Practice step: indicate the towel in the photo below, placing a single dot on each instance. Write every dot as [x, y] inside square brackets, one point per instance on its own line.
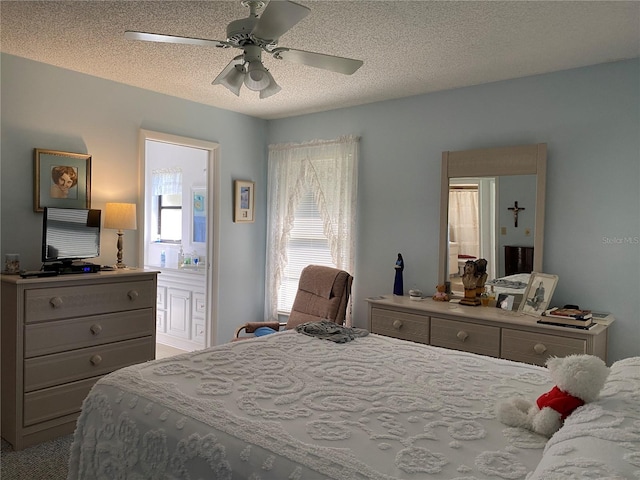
[318, 280]
[500, 282]
[328, 330]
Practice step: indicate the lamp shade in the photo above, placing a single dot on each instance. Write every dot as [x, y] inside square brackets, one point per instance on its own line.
[121, 216]
[256, 77]
[270, 89]
[233, 80]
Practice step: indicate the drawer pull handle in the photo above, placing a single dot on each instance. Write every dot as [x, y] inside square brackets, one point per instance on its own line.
[397, 324]
[96, 360]
[132, 294]
[539, 348]
[462, 335]
[95, 329]
[55, 302]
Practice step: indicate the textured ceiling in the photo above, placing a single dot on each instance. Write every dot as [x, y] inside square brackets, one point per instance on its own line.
[408, 47]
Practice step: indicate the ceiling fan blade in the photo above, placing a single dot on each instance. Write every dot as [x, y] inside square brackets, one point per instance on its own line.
[158, 37]
[278, 17]
[343, 65]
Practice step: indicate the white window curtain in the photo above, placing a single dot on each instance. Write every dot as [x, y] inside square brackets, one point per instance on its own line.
[463, 220]
[326, 169]
[166, 181]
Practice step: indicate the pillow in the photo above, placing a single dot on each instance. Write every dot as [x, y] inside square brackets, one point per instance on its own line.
[262, 331]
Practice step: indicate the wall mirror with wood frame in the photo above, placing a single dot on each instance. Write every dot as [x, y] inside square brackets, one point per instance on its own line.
[492, 201]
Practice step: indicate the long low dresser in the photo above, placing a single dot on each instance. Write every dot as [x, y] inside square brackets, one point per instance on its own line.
[59, 336]
[483, 330]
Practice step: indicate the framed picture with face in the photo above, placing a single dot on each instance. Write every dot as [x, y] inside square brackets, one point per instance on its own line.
[538, 293]
[61, 179]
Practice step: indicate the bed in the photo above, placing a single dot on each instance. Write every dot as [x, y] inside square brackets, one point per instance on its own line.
[291, 406]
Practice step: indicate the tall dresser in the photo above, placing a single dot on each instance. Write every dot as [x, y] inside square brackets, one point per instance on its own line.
[59, 336]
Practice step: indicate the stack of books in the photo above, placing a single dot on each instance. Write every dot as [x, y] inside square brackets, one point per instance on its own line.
[568, 317]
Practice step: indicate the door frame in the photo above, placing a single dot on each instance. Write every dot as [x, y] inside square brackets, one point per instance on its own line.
[213, 216]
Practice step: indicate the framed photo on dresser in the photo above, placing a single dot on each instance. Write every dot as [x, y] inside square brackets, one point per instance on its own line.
[538, 293]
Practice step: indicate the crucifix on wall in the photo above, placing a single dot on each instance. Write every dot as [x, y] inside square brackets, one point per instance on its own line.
[515, 210]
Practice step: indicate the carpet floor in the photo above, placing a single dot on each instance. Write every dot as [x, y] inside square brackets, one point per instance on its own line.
[45, 461]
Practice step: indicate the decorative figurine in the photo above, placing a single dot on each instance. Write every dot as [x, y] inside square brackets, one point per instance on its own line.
[441, 294]
[398, 287]
[469, 279]
[475, 274]
[481, 274]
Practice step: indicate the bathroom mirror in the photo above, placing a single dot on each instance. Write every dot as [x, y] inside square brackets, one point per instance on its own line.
[507, 173]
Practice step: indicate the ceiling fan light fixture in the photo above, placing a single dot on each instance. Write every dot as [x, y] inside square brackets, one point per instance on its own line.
[234, 79]
[270, 89]
[255, 35]
[232, 76]
[257, 78]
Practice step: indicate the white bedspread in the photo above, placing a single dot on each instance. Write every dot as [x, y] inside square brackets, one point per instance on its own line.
[289, 406]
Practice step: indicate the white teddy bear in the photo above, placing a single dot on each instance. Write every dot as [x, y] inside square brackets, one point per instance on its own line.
[578, 379]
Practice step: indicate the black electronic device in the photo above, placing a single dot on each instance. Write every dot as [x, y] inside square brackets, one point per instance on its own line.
[69, 236]
[63, 267]
[37, 273]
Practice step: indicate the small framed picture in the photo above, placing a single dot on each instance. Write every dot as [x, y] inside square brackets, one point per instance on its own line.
[538, 293]
[61, 179]
[508, 301]
[244, 211]
[199, 214]
[505, 301]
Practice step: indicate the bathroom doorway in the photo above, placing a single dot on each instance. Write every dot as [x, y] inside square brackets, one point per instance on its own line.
[179, 189]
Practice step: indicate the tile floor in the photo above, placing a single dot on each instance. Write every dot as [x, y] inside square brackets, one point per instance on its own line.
[164, 351]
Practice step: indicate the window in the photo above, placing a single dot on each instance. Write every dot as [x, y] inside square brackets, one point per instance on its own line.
[311, 209]
[170, 218]
[307, 245]
[167, 190]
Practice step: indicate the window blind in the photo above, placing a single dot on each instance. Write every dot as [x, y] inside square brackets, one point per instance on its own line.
[307, 245]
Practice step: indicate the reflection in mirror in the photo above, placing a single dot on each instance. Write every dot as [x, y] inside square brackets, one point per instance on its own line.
[472, 214]
[479, 210]
[482, 223]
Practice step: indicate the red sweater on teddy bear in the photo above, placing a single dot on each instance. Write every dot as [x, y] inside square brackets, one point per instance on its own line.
[562, 402]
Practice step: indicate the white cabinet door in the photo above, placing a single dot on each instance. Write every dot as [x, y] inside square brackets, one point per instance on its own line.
[179, 308]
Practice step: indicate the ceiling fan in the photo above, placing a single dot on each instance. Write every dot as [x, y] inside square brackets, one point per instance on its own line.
[253, 35]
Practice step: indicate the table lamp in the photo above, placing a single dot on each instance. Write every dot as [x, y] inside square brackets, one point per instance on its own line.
[120, 216]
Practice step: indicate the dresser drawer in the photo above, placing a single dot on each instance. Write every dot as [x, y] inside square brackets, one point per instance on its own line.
[535, 348]
[405, 326]
[80, 301]
[470, 337]
[52, 337]
[56, 402]
[59, 368]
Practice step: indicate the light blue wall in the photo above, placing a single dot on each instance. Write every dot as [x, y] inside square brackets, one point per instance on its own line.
[52, 108]
[589, 118]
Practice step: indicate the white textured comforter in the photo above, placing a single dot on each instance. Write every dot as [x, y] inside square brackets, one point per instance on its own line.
[289, 406]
